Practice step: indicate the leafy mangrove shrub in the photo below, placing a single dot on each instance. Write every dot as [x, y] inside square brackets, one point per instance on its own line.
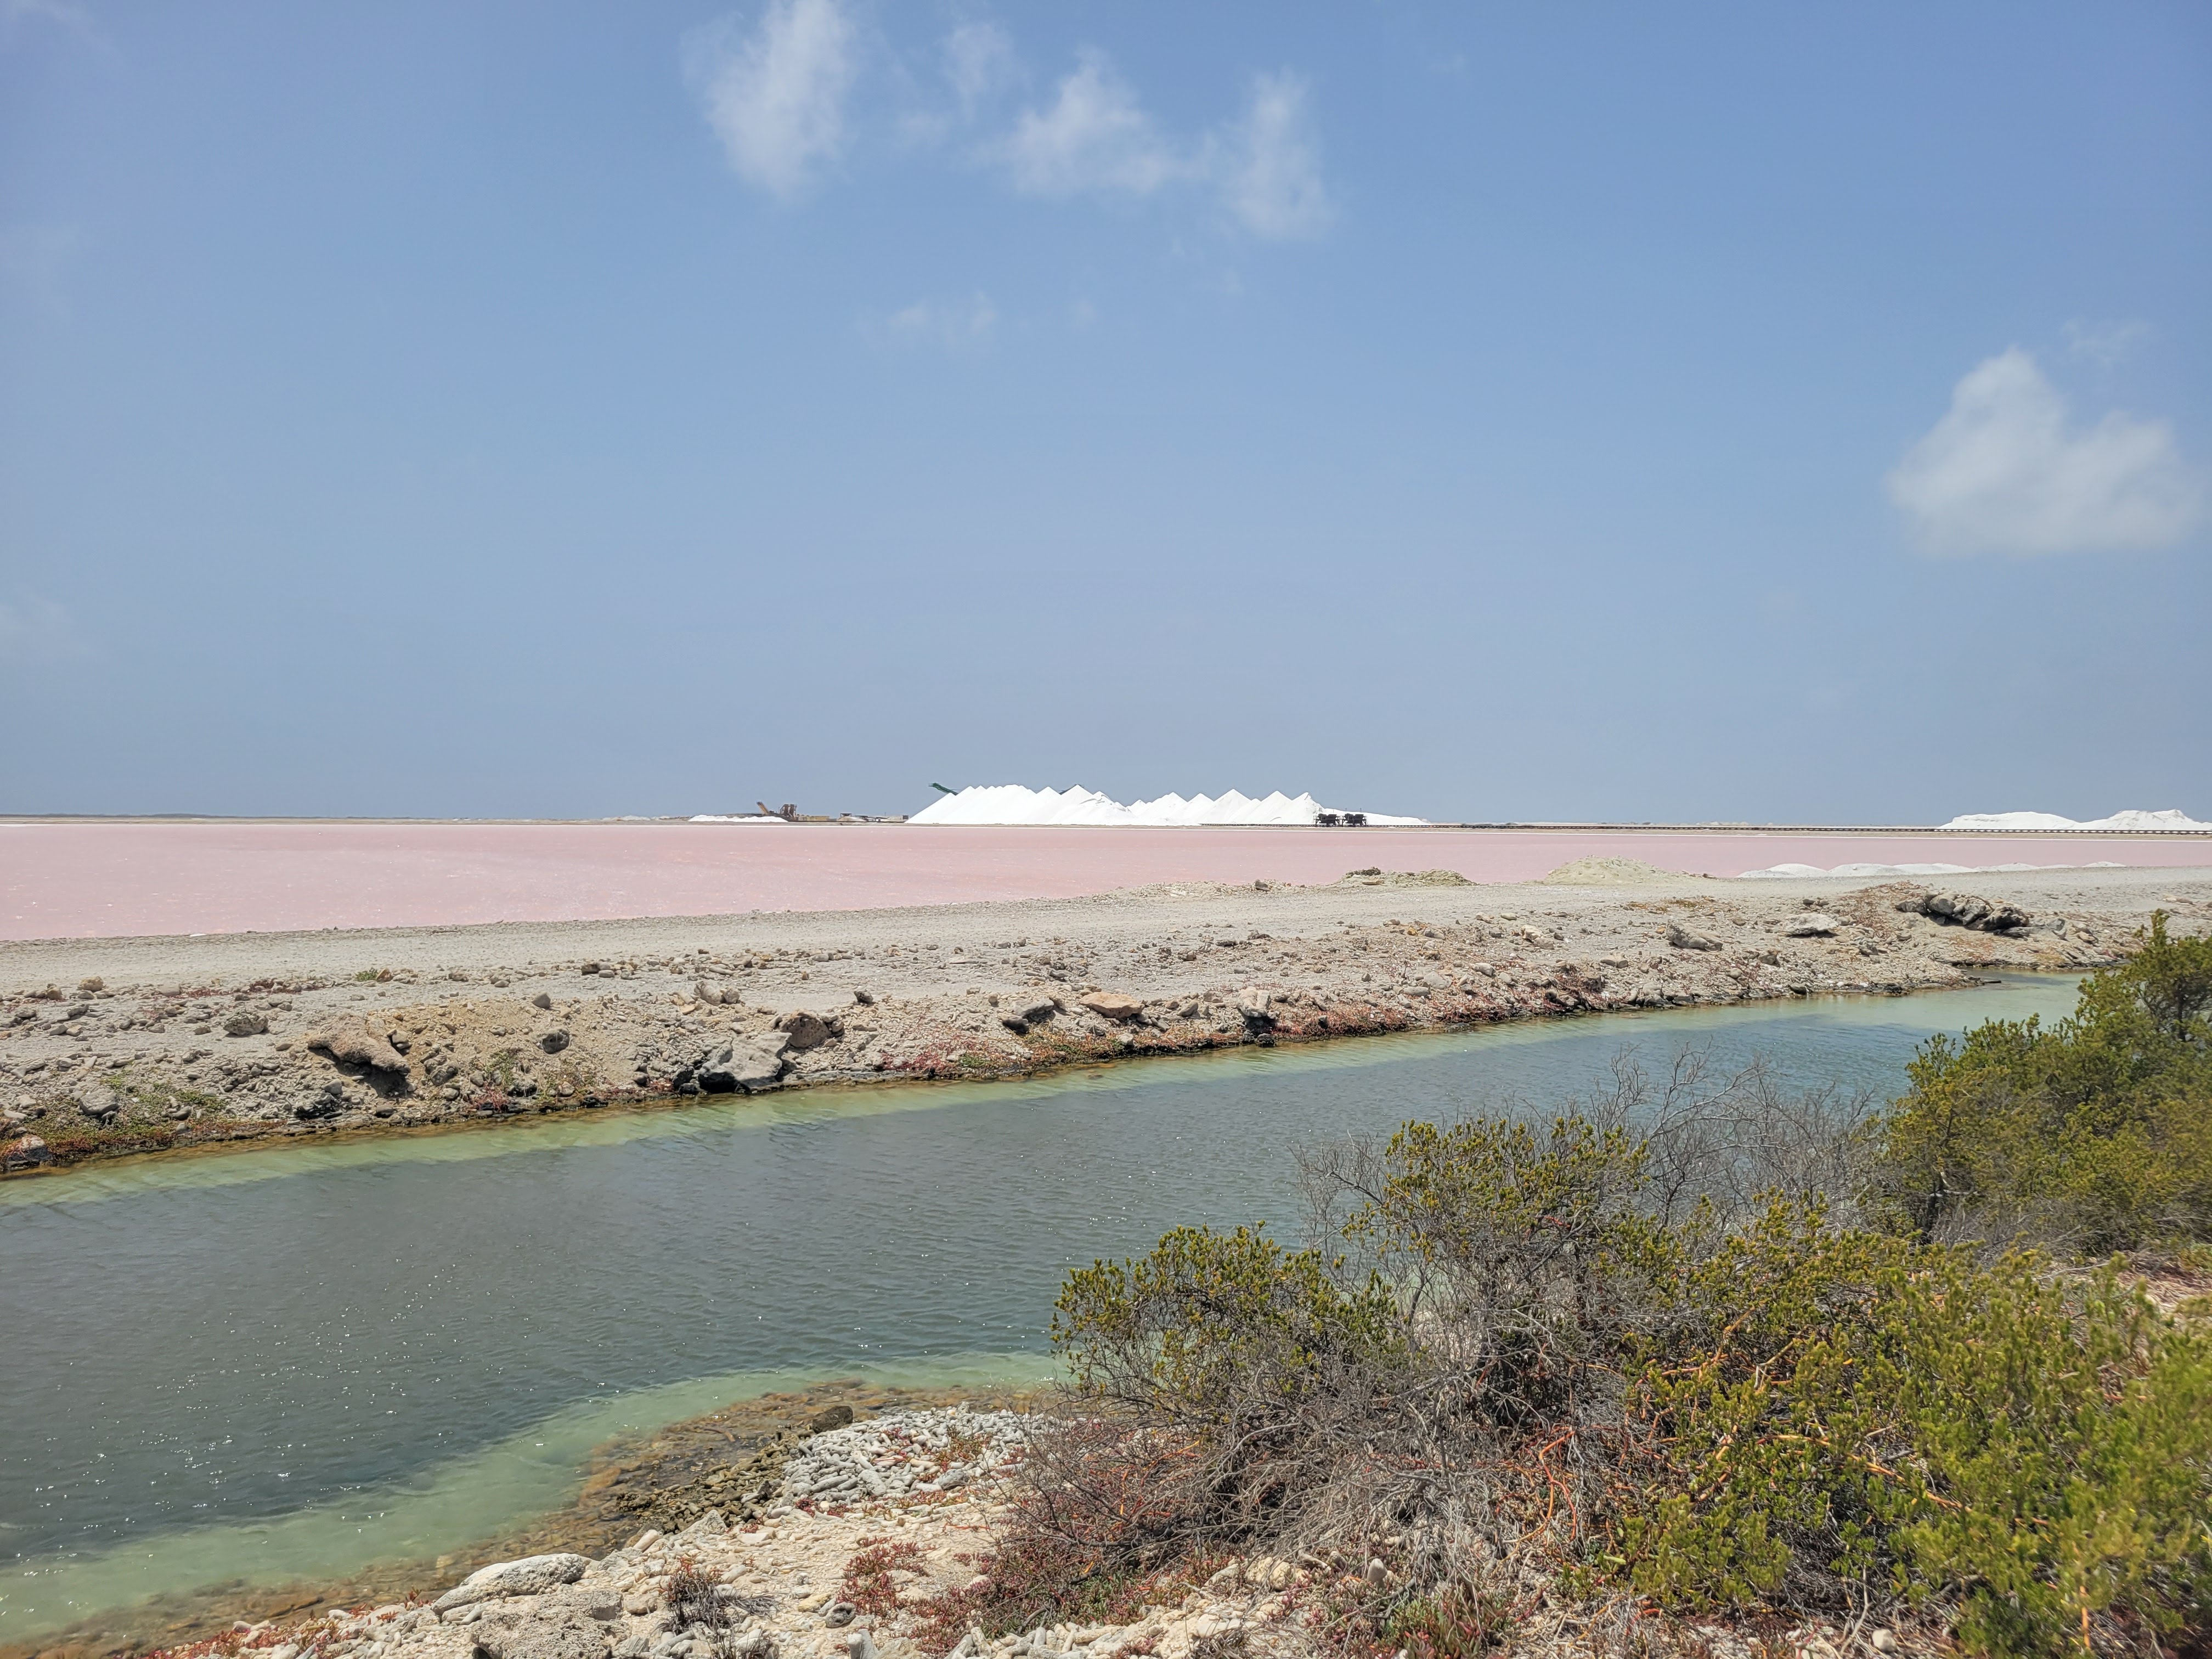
[2094, 1134]
[1580, 1351]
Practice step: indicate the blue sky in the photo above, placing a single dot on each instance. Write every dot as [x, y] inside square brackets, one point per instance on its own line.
[1572, 411]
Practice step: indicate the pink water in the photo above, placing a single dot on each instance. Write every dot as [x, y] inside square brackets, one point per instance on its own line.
[75, 880]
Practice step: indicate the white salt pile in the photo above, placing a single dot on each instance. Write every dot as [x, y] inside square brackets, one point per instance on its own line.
[1793, 872]
[2134, 819]
[1009, 802]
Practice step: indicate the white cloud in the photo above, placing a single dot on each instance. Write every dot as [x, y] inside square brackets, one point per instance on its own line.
[1095, 136]
[776, 89]
[1269, 163]
[2004, 472]
[969, 322]
[63, 12]
[979, 60]
[776, 97]
[2104, 343]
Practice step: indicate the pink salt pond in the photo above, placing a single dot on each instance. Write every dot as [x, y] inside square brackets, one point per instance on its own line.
[69, 880]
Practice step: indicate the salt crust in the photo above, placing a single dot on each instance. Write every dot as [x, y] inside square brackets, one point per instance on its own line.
[1798, 871]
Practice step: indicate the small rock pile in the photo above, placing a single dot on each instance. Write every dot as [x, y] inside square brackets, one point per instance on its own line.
[901, 1454]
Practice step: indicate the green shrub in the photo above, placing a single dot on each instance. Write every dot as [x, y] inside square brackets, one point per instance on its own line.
[1717, 1411]
[2094, 1135]
[2037, 1451]
[1209, 1320]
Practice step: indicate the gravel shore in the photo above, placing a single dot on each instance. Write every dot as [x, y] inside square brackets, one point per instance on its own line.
[111, 1047]
[852, 1531]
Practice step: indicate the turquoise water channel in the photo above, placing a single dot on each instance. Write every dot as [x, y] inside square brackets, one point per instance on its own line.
[274, 1365]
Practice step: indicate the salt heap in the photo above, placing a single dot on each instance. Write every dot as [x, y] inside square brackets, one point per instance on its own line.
[2134, 819]
[1009, 802]
[1793, 872]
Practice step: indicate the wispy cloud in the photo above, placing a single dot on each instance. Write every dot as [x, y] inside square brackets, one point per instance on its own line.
[1094, 135]
[979, 61]
[2104, 343]
[2004, 472]
[778, 90]
[962, 323]
[1269, 163]
[775, 94]
[66, 12]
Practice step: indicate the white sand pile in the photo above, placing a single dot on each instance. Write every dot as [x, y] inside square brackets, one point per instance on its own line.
[1009, 802]
[2173, 819]
[1609, 872]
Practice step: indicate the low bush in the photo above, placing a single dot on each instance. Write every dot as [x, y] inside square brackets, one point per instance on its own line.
[2091, 1135]
[1655, 1362]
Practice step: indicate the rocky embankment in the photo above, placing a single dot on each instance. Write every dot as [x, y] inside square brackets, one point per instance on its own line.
[872, 1539]
[856, 1550]
[169, 1043]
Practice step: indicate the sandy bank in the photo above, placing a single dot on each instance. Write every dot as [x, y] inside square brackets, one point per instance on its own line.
[132, 1045]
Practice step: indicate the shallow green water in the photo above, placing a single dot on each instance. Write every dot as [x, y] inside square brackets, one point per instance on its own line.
[286, 1363]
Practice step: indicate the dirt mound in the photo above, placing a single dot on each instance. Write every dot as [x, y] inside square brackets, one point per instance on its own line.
[1609, 872]
[1375, 877]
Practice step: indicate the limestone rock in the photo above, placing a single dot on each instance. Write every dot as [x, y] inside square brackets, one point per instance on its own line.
[97, 1100]
[1022, 1009]
[1813, 925]
[727, 1068]
[355, 1042]
[538, 1639]
[1113, 1006]
[527, 1576]
[1683, 939]
[1965, 910]
[808, 1031]
[24, 1152]
[245, 1022]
